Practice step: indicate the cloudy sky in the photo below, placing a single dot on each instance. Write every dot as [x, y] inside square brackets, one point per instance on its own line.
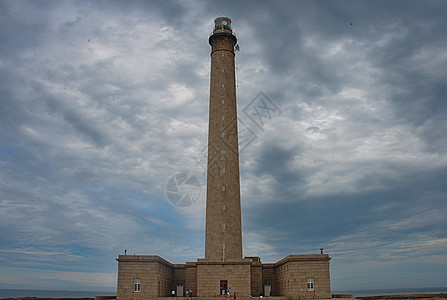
[103, 102]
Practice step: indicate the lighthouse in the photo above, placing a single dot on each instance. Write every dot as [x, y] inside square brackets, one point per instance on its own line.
[224, 268]
[223, 233]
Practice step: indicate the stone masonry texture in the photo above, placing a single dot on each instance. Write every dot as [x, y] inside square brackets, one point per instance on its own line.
[223, 233]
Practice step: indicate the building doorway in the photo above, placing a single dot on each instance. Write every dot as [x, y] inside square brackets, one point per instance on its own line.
[267, 289]
[179, 290]
[223, 287]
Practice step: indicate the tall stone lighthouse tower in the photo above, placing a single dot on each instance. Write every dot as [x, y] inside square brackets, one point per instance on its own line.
[223, 269]
[223, 236]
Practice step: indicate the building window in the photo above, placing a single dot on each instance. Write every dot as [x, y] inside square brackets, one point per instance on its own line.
[223, 245]
[223, 170]
[136, 285]
[223, 207]
[222, 70]
[223, 134]
[223, 85]
[223, 101]
[223, 152]
[223, 188]
[223, 55]
[310, 284]
[223, 226]
[223, 118]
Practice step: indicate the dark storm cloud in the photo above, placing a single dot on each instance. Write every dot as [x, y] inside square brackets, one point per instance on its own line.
[170, 10]
[19, 34]
[386, 192]
[276, 161]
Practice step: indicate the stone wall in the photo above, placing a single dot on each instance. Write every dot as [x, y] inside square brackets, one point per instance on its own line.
[256, 278]
[287, 278]
[179, 277]
[155, 276]
[293, 272]
[164, 279]
[237, 275]
[268, 277]
[191, 277]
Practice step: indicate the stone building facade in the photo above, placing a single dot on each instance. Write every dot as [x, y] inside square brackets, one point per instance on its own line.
[294, 277]
[224, 268]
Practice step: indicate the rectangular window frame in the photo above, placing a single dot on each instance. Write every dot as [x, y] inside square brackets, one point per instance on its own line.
[137, 285]
[310, 284]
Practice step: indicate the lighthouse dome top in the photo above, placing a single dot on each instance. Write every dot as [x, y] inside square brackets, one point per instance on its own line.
[224, 22]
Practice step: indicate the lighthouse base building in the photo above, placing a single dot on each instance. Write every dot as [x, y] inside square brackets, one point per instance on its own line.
[223, 269]
[294, 277]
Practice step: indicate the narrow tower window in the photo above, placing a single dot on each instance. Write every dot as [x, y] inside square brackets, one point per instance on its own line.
[223, 118]
[223, 207]
[223, 101]
[223, 85]
[223, 170]
[223, 152]
[223, 70]
[223, 188]
[223, 134]
[223, 226]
